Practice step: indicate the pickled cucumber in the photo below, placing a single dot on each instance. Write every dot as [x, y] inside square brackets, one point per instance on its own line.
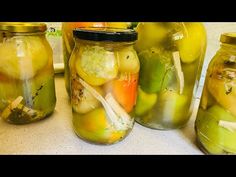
[215, 138]
[155, 72]
[145, 102]
[128, 60]
[97, 65]
[22, 57]
[193, 43]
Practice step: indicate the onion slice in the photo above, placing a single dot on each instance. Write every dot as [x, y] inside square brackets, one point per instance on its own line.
[178, 69]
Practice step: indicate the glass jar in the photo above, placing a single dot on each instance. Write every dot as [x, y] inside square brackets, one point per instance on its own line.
[104, 71]
[171, 56]
[27, 90]
[215, 124]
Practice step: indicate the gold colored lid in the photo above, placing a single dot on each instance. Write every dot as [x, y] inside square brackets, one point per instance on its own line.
[22, 27]
[228, 38]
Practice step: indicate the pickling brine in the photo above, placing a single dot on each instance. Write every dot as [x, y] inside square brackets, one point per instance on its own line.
[104, 78]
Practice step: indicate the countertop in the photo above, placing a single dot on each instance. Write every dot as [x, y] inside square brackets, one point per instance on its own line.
[54, 135]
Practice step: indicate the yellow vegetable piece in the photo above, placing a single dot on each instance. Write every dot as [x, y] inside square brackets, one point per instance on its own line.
[218, 90]
[149, 35]
[193, 43]
[94, 127]
[128, 60]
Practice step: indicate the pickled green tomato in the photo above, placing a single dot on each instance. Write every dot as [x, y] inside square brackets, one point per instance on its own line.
[43, 91]
[24, 56]
[96, 65]
[94, 127]
[145, 102]
[127, 60]
[193, 43]
[155, 71]
[214, 138]
[162, 111]
[150, 34]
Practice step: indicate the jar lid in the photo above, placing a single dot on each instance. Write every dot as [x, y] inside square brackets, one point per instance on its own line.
[106, 34]
[229, 38]
[22, 27]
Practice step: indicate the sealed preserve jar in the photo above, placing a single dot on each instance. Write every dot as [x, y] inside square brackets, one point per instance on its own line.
[216, 119]
[104, 71]
[27, 91]
[171, 56]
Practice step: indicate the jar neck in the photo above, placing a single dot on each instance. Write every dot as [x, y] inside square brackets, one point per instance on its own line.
[10, 34]
[109, 44]
[4, 35]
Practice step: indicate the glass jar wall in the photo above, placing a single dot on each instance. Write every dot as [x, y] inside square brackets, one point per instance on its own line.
[104, 69]
[171, 56]
[27, 90]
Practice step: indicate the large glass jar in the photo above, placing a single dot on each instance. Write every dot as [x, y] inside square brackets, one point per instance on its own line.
[104, 71]
[215, 124]
[171, 56]
[27, 91]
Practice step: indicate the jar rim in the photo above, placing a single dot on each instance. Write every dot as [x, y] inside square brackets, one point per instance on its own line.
[228, 38]
[106, 34]
[23, 27]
